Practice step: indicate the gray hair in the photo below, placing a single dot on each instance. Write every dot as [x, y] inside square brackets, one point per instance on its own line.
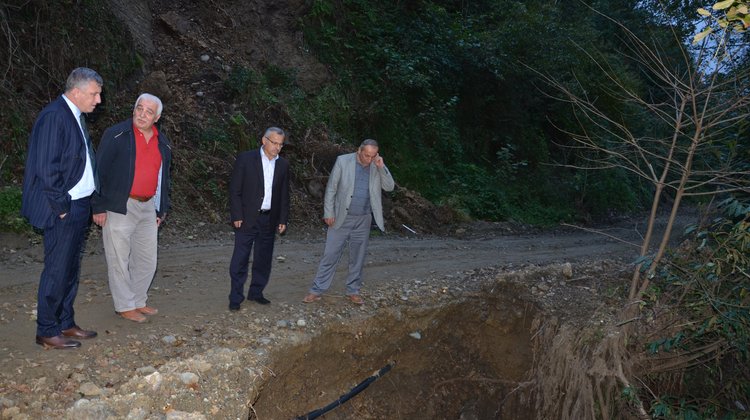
[81, 76]
[276, 130]
[369, 142]
[152, 98]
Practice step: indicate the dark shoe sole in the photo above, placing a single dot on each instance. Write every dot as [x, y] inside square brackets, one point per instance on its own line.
[71, 344]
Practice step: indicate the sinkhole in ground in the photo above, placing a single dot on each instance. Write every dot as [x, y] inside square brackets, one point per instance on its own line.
[459, 361]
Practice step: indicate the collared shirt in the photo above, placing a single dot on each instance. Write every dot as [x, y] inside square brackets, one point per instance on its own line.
[147, 163]
[86, 185]
[269, 166]
[360, 204]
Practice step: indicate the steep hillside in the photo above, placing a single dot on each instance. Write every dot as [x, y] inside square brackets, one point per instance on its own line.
[217, 66]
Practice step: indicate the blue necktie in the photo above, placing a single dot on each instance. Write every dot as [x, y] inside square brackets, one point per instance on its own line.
[90, 148]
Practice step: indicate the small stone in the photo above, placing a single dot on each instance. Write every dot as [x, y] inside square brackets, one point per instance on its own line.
[137, 413]
[202, 366]
[169, 339]
[301, 323]
[11, 412]
[282, 324]
[154, 380]
[182, 415]
[145, 370]
[189, 378]
[567, 270]
[416, 335]
[88, 389]
[205, 57]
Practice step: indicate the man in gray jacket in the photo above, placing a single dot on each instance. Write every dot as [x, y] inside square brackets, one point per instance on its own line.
[352, 199]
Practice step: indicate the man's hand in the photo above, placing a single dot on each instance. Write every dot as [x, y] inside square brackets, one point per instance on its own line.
[379, 161]
[329, 220]
[100, 219]
[237, 224]
[282, 229]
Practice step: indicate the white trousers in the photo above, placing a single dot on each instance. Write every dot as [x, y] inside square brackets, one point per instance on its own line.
[130, 246]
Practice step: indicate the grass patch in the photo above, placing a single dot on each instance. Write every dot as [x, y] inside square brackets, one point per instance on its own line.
[10, 211]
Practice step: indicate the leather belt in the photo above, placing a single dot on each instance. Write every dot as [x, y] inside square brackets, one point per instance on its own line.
[264, 211]
[140, 198]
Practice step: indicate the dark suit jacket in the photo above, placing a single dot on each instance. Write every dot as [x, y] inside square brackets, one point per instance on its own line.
[55, 163]
[246, 190]
[116, 158]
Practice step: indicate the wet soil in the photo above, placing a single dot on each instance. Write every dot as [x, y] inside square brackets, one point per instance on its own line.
[462, 360]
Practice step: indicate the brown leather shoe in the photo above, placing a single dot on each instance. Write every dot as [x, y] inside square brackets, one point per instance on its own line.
[357, 299]
[133, 315]
[58, 342]
[77, 332]
[147, 310]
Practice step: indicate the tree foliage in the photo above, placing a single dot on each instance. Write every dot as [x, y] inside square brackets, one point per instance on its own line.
[447, 85]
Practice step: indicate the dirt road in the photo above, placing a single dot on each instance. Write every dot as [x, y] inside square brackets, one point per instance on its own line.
[191, 288]
[192, 275]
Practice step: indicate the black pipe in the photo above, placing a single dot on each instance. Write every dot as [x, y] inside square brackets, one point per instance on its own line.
[344, 398]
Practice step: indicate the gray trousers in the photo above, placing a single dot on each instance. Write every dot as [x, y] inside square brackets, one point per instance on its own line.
[355, 231]
[130, 248]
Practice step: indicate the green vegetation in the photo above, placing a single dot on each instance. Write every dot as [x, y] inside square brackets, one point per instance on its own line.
[708, 284]
[40, 52]
[447, 85]
[10, 210]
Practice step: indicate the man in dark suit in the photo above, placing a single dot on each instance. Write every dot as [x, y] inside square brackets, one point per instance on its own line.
[259, 207]
[58, 181]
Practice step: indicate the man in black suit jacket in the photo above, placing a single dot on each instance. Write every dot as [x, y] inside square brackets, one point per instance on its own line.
[58, 181]
[259, 207]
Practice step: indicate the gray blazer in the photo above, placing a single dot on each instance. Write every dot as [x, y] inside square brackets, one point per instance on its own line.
[341, 187]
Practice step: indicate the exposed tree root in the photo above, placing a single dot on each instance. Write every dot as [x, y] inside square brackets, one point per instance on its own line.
[581, 373]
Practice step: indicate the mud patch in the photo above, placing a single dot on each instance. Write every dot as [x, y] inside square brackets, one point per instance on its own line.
[470, 359]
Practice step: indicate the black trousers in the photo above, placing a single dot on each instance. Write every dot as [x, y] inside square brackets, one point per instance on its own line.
[262, 235]
[58, 284]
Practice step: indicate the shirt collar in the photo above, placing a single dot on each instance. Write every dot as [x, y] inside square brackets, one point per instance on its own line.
[76, 112]
[139, 133]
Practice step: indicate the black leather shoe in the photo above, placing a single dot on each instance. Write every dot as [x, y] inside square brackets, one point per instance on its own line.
[261, 300]
[234, 307]
[77, 332]
[57, 342]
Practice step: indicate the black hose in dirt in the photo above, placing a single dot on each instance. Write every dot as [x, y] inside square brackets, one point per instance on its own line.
[344, 398]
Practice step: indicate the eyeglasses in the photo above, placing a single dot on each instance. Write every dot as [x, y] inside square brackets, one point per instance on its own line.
[280, 144]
